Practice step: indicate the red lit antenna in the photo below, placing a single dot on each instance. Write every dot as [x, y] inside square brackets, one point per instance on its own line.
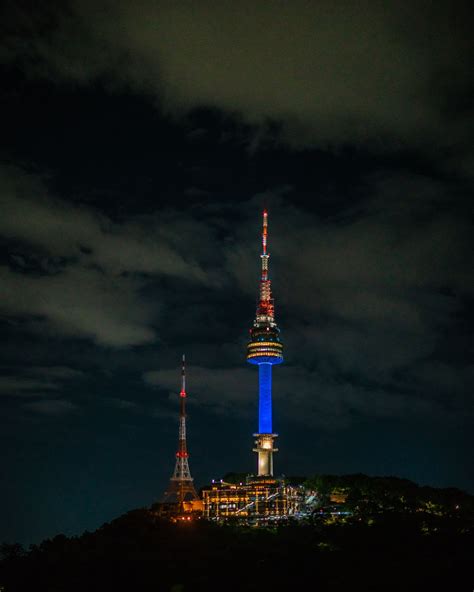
[265, 306]
[265, 231]
[183, 378]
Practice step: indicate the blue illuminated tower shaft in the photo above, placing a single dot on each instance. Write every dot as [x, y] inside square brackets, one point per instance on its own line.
[265, 349]
[265, 398]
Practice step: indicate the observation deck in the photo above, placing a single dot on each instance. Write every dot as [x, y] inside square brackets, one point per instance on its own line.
[265, 346]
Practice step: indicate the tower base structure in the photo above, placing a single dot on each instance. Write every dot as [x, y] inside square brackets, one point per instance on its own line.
[265, 449]
[180, 491]
[180, 501]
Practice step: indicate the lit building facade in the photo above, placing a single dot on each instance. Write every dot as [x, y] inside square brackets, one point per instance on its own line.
[255, 501]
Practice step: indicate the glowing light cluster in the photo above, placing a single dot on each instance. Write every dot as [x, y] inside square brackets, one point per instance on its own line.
[259, 357]
[253, 349]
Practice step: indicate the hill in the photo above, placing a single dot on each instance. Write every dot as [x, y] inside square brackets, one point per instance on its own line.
[391, 547]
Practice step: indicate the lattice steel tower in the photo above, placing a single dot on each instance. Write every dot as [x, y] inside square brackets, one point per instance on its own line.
[181, 486]
[265, 349]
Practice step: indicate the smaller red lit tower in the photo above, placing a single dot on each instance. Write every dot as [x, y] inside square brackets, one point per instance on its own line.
[181, 488]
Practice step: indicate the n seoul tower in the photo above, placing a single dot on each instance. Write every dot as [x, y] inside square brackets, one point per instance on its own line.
[265, 349]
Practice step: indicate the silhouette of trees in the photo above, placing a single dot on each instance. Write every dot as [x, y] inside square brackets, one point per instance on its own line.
[402, 537]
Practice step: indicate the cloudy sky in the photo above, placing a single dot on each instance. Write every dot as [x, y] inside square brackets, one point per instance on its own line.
[139, 142]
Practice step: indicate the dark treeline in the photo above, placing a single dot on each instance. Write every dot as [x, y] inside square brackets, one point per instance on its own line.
[371, 495]
[368, 496]
[398, 537]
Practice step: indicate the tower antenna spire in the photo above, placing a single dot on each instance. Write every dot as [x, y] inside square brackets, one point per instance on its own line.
[265, 309]
[183, 377]
[264, 232]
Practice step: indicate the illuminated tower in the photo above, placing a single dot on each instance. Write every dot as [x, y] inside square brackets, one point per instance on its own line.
[181, 488]
[265, 350]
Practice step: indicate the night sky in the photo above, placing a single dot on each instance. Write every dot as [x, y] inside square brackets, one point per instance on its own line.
[139, 142]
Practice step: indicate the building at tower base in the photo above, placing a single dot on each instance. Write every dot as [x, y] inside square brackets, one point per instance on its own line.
[258, 500]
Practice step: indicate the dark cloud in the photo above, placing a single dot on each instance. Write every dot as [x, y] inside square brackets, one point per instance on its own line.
[50, 407]
[379, 73]
[56, 372]
[88, 270]
[20, 386]
[121, 403]
[80, 303]
[80, 233]
[36, 380]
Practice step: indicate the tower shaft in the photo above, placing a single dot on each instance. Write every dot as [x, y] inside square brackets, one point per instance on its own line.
[265, 399]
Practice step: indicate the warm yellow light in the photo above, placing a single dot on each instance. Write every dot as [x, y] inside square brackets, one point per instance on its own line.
[264, 354]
